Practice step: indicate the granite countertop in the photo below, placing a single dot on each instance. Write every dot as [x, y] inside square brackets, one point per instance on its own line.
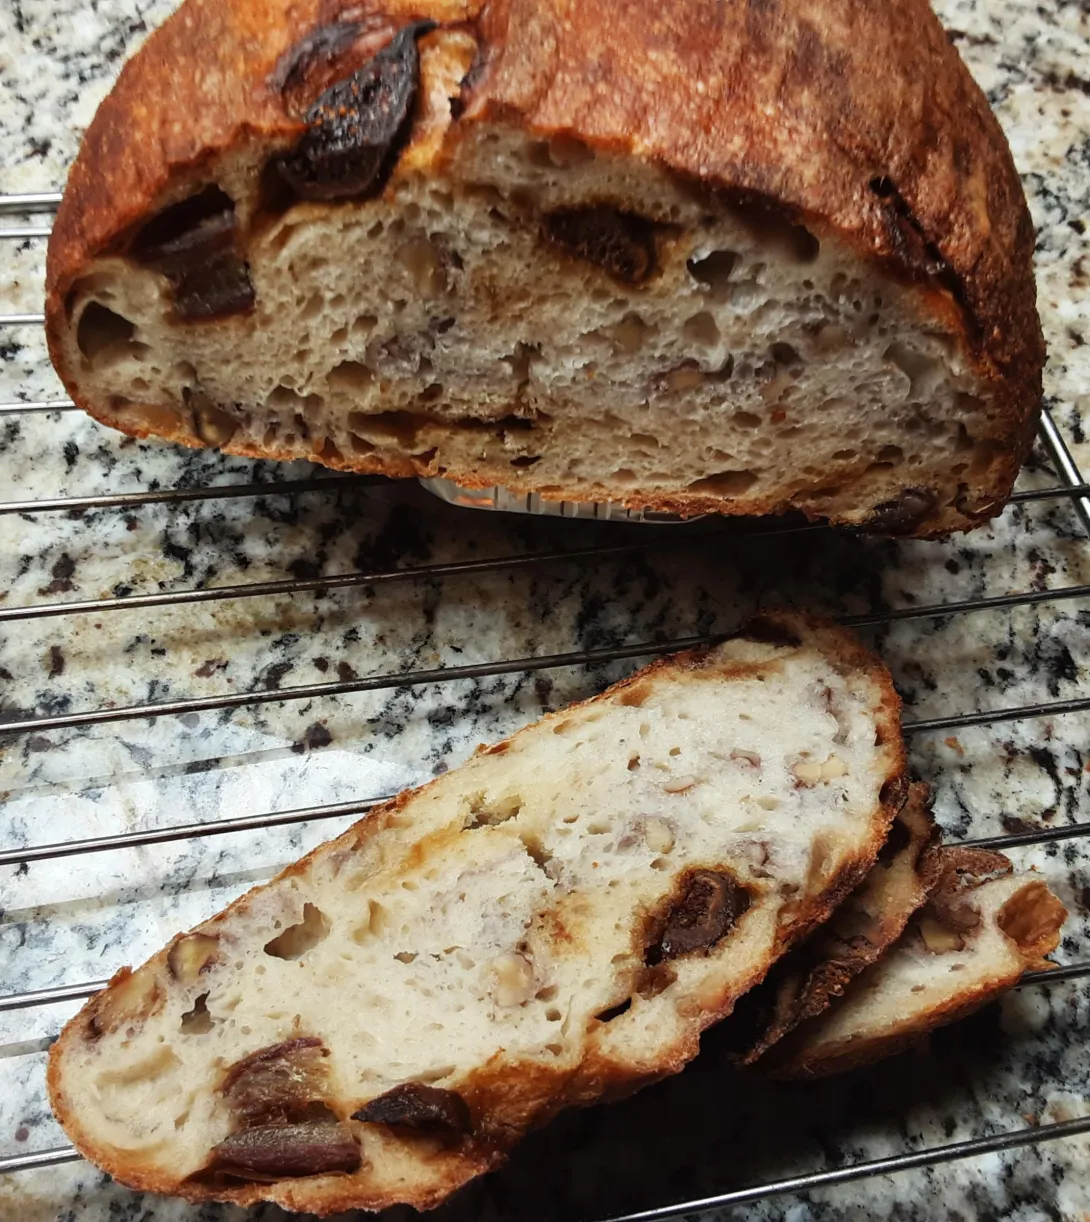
[78, 919]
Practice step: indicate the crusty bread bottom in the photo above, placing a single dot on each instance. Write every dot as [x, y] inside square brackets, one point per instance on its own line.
[553, 923]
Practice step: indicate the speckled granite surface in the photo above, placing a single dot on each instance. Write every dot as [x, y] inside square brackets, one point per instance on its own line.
[80, 918]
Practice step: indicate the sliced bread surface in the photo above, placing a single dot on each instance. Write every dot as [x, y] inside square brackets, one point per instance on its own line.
[552, 923]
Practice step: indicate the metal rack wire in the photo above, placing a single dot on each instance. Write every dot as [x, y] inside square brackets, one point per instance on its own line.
[1071, 488]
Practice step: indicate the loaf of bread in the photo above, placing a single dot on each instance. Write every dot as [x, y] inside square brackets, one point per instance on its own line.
[804, 983]
[981, 928]
[686, 255]
[553, 923]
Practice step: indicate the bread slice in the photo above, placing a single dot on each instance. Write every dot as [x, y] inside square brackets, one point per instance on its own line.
[553, 923]
[804, 983]
[982, 927]
[683, 255]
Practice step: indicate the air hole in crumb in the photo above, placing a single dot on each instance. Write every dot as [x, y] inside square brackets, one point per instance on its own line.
[713, 271]
[548, 993]
[483, 812]
[784, 354]
[525, 460]
[553, 1016]
[405, 956]
[197, 1021]
[104, 333]
[608, 1015]
[297, 939]
[701, 329]
[350, 377]
[746, 420]
[725, 483]
[660, 863]
[634, 763]
[675, 750]
[555, 1049]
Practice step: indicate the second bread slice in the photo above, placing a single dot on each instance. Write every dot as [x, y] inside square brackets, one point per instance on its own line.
[553, 923]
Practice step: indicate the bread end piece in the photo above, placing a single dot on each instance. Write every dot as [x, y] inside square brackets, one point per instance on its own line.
[965, 948]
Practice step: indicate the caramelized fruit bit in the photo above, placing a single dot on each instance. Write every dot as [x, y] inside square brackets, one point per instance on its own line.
[278, 1082]
[939, 938]
[416, 1106]
[277, 1151]
[325, 56]
[193, 243]
[709, 905]
[900, 516]
[1033, 917]
[621, 243]
[960, 871]
[191, 955]
[134, 997]
[357, 127]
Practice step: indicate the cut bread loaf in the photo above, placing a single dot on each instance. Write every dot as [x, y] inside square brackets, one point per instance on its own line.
[684, 255]
[981, 928]
[553, 923]
[804, 983]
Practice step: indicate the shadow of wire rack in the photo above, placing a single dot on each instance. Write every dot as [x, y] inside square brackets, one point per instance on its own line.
[1070, 487]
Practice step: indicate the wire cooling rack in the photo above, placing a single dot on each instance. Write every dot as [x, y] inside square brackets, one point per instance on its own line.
[30, 223]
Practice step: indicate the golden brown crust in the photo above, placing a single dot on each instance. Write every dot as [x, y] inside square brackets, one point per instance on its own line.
[507, 1099]
[777, 100]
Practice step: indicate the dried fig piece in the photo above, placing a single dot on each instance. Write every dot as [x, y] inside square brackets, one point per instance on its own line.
[194, 244]
[357, 127]
[279, 1082]
[621, 243]
[326, 55]
[412, 1105]
[277, 1151]
[708, 907]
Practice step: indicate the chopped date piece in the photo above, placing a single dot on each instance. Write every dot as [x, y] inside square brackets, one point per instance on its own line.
[416, 1106]
[221, 287]
[279, 1082]
[277, 1151]
[621, 243]
[357, 127]
[708, 908]
[194, 244]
